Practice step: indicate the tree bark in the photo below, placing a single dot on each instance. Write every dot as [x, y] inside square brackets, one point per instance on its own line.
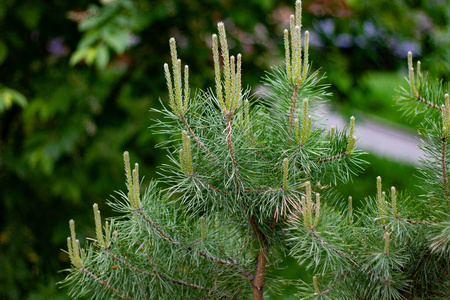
[258, 279]
[260, 270]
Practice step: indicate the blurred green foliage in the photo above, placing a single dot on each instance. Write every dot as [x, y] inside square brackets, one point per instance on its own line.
[78, 78]
[9, 96]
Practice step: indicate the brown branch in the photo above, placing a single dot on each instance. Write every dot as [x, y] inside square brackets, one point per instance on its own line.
[102, 282]
[168, 238]
[415, 222]
[335, 284]
[439, 294]
[385, 282]
[128, 265]
[346, 256]
[263, 159]
[225, 192]
[227, 263]
[444, 171]
[209, 185]
[424, 258]
[325, 159]
[260, 270]
[430, 104]
[231, 150]
[329, 246]
[184, 283]
[159, 274]
[200, 143]
[164, 235]
[258, 280]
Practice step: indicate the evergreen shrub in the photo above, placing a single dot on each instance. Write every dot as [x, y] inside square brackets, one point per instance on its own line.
[253, 179]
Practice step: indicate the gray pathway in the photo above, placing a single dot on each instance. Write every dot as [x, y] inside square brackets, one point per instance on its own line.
[381, 137]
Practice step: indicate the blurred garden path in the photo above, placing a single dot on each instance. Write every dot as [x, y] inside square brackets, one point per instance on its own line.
[381, 137]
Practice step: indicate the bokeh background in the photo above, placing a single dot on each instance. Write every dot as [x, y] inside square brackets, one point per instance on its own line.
[78, 79]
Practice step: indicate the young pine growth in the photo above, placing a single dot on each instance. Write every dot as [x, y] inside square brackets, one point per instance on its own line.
[178, 98]
[252, 180]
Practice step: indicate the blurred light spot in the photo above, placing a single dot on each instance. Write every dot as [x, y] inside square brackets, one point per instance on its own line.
[327, 26]
[344, 40]
[315, 40]
[369, 29]
[133, 40]
[361, 41]
[56, 47]
[400, 49]
[281, 16]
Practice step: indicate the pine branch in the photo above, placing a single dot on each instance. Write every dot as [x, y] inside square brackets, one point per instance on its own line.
[227, 263]
[322, 241]
[330, 158]
[163, 234]
[126, 264]
[416, 222]
[426, 102]
[231, 152]
[335, 284]
[210, 186]
[201, 144]
[227, 192]
[106, 285]
[184, 283]
[349, 258]
[168, 238]
[263, 159]
[179, 282]
[443, 165]
[258, 280]
[440, 294]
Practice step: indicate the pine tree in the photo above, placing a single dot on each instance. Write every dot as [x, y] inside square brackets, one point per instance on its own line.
[254, 178]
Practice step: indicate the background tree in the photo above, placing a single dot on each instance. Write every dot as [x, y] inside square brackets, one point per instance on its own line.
[248, 182]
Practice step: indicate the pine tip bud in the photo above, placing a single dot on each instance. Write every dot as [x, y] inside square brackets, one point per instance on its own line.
[410, 59]
[386, 236]
[379, 186]
[221, 28]
[316, 285]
